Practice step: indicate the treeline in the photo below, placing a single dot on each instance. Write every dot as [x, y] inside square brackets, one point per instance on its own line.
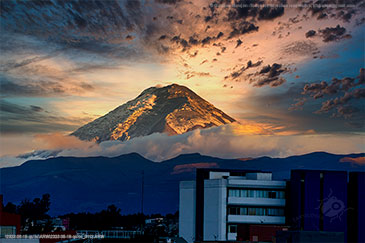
[32, 212]
[111, 218]
[35, 220]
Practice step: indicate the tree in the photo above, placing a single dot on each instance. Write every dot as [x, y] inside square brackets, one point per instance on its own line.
[10, 208]
[35, 210]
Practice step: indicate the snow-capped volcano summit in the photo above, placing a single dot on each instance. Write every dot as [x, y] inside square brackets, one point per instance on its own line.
[172, 109]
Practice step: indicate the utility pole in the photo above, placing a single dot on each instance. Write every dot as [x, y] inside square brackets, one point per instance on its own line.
[142, 199]
[142, 192]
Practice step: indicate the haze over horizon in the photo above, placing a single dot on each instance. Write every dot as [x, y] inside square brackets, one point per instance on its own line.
[292, 75]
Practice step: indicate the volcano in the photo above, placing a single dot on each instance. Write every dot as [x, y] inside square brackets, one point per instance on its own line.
[173, 109]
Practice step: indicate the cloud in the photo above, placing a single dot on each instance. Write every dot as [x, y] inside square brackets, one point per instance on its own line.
[191, 74]
[168, 1]
[42, 86]
[310, 33]
[58, 141]
[178, 169]
[223, 141]
[239, 42]
[322, 10]
[269, 13]
[271, 76]
[301, 47]
[242, 28]
[340, 101]
[358, 160]
[19, 119]
[234, 75]
[334, 33]
[346, 90]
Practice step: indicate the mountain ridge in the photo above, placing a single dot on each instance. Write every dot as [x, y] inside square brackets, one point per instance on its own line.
[89, 184]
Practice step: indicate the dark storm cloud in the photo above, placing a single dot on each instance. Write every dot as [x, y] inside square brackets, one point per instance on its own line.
[168, 1]
[243, 17]
[273, 82]
[318, 90]
[36, 108]
[93, 26]
[346, 90]
[271, 76]
[334, 33]
[242, 28]
[12, 87]
[298, 105]
[193, 40]
[14, 64]
[310, 33]
[239, 42]
[191, 74]
[238, 73]
[339, 102]
[273, 108]
[268, 13]
[30, 119]
[243, 10]
[321, 9]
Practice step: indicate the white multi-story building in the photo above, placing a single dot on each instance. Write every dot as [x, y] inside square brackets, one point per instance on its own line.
[220, 204]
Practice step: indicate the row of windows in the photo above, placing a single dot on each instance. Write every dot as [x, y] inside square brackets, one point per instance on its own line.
[256, 193]
[256, 211]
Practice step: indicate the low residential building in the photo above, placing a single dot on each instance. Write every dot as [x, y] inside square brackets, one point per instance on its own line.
[9, 222]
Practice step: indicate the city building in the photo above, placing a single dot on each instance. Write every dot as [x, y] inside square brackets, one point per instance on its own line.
[356, 207]
[318, 201]
[226, 205]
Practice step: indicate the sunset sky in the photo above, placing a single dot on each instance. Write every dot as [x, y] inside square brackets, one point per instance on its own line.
[290, 72]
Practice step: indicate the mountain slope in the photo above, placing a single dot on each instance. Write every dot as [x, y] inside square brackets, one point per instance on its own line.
[172, 109]
[91, 183]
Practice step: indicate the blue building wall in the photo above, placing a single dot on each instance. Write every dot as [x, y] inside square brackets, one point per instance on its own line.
[361, 207]
[356, 210]
[294, 216]
[312, 200]
[319, 199]
[335, 201]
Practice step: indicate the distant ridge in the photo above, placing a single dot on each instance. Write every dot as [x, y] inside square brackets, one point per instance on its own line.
[89, 184]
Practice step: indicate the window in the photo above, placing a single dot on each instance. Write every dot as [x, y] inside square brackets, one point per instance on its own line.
[243, 211]
[272, 194]
[256, 193]
[234, 211]
[234, 192]
[251, 211]
[232, 228]
[256, 211]
[281, 194]
[275, 212]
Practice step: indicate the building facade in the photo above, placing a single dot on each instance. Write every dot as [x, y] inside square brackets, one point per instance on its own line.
[230, 205]
[318, 200]
[356, 208]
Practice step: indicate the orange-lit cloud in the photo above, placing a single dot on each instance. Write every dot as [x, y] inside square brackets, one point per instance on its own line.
[60, 141]
[217, 141]
[358, 160]
[178, 169]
